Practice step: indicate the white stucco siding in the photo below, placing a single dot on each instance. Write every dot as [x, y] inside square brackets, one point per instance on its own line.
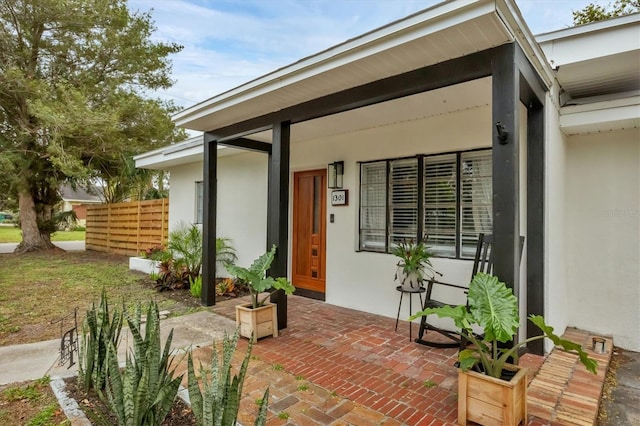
[182, 193]
[242, 203]
[363, 280]
[556, 294]
[603, 234]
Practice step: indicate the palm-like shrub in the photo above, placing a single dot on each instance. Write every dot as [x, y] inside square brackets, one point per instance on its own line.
[219, 402]
[142, 394]
[185, 246]
[225, 253]
[99, 329]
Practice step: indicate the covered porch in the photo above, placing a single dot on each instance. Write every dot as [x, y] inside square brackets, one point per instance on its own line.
[340, 366]
[451, 79]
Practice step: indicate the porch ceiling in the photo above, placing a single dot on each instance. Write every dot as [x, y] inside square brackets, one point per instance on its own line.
[446, 31]
[460, 97]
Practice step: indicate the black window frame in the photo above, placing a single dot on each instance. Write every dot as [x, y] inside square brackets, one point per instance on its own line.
[420, 225]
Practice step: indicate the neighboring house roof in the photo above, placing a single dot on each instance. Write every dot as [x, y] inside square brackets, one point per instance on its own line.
[80, 194]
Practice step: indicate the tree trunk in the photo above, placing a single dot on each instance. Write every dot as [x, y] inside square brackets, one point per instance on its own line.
[32, 238]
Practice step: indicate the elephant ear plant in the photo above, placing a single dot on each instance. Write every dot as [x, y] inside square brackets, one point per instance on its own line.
[257, 279]
[493, 307]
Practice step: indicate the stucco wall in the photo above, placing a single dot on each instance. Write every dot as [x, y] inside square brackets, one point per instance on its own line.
[182, 194]
[242, 201]
[242, 204]
[603, 234]
[555, 292]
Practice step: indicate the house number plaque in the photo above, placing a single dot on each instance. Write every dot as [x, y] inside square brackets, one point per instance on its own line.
[340, 197]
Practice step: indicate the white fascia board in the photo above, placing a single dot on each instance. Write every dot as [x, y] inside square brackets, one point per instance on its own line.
[515, 23]
[429, 21]
[172, 154]
[601, 116]
[171, 148]
[591, 41]
[589, 28]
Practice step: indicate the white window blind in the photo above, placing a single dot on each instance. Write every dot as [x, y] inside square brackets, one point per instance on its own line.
[440, 191]
[403, 200]
[476, 200]
[373, 206]
[199, 202]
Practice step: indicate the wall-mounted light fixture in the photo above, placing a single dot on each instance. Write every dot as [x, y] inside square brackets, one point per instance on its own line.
[335, 174]
[503, 134]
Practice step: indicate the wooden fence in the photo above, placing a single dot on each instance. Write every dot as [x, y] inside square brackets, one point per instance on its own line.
[127, 228]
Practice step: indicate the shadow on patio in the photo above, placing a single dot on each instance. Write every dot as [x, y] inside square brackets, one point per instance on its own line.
[339, 366]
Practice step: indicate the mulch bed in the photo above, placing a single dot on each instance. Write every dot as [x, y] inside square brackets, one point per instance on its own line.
[184, 297]
[99, 413]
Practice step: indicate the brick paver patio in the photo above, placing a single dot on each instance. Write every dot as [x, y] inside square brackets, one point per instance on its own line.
[337, 366]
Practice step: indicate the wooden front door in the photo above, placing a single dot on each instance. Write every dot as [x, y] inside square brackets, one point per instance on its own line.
[309, 236]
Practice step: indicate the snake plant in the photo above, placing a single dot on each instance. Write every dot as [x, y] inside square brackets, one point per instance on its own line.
[493, 307]
[142, 394]
[98, 330]
[219, 403]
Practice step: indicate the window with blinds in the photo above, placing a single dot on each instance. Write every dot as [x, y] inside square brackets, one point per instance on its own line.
[440, 203]
[403, 200]
[373, 206]
[199, 202]
[476, 204]
[445, 197]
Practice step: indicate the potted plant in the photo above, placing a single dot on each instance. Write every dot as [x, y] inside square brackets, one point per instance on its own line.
[414, 264]
[259, 318]
[490, 390]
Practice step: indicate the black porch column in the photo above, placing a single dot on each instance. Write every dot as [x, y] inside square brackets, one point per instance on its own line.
[506, 187]
[278, 212]
[210, 189]
[535, 222]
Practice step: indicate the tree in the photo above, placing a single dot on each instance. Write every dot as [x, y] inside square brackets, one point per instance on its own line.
[74, 81]
[594, 12]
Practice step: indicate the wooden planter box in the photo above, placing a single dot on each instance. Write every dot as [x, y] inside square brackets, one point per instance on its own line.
[490, 401]
[262, 321]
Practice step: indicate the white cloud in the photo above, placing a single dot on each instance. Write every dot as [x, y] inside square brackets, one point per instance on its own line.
[227, 43]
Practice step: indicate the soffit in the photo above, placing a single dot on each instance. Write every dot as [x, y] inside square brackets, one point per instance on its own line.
[460, 97]
[612, 74]
[444, 32]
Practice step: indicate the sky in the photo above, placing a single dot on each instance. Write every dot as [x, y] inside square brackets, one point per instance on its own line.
[230, 42]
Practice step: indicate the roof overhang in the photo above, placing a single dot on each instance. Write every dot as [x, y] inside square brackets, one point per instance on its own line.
[603, 116]
[189, 151]
[595, 59]
[446, 31]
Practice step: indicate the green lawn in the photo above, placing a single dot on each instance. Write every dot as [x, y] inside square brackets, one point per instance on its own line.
[41, 287]
[10, 234]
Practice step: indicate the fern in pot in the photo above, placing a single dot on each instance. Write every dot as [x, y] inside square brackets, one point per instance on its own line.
[414, 264]
[484, 365]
